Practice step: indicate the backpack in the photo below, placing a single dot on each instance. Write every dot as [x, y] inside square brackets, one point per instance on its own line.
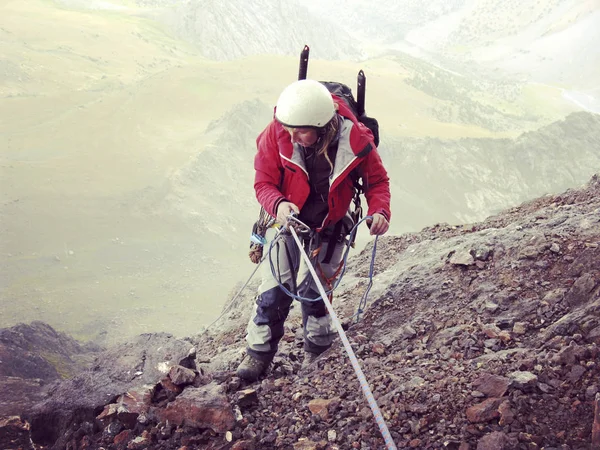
[345, 93]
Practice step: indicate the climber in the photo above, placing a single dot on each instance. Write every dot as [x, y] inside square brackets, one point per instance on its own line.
[309, 157]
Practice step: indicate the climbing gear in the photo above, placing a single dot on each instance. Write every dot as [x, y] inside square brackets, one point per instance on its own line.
[252, 368]
[359, 373]
[341, 270]
[257, 238]
[305, 103]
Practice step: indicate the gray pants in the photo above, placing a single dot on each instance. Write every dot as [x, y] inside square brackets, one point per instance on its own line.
[266, 326]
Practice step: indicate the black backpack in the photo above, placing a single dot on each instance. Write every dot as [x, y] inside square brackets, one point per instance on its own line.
[344, 92]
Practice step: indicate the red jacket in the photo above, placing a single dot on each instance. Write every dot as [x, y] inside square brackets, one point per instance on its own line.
[280, 173]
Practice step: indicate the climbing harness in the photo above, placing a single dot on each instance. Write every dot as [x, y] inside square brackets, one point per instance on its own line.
[341, 270]
[359, 373]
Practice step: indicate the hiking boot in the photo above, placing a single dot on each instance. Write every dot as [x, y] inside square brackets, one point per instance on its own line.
[251, 368]
[309, 358]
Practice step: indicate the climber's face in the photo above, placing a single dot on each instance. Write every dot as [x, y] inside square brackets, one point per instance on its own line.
[303, 136]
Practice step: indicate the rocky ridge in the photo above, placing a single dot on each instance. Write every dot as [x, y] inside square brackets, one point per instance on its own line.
[482, 336]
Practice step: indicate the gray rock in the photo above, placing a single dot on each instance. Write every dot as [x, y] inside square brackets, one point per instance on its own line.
[145, 360]
[523, 380]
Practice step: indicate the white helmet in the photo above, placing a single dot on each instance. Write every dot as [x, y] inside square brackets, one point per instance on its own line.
[305, 103]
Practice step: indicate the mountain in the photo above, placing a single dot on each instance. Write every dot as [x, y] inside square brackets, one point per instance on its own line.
[479, 336]
[551, 41]
[468, 179]
[237, 28]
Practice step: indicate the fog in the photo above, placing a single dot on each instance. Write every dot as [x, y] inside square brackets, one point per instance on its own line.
[128, 129]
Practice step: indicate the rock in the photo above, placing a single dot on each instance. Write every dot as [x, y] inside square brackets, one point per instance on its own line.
[323, 407]
[203, 407]
[128, 406]
[493, 441]
[520, 328]
[581, 291]
[596, 423]
[492, 385]
[19, 395]
[306, 444]
[247, 397]
[14, 434]
[524, 381]
[507, 416]
[485, 411]
[483, 253]
[462, 258]
[141, 361]
[378, 348]
[529, 252]
[575, 374]
[408, 332]
[181, 376]
[32, 356]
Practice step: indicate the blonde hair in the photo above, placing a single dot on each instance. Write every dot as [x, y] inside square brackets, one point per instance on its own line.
[329, 134]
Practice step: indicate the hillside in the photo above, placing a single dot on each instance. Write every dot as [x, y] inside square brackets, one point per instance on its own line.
[478, 336]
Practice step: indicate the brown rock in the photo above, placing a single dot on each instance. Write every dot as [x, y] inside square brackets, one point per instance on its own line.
[507, 416]
[493, 441]
[491, 331]
[128, 406]
[378, 348]
[484, 411]
[166, 390]
[123, 437]
[243, 445]
[204, 407]
[181, 376]
[322, 407]
[305, 444]
[141, 442]
[247, 397]
[492, 385]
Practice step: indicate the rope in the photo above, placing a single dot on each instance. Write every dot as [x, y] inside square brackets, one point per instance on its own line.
[359, 373]
[341, 275]
[363, 301]
[260, 259]
[259, 262]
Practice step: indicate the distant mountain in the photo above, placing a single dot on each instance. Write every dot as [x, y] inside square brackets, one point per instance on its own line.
[551, 41]
[213, 191]
[237, 28]
[467, 180]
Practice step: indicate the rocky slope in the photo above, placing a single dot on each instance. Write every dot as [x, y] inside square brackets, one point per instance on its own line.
[478, 336]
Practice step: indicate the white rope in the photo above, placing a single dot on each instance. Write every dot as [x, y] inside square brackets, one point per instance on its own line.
[387, 437]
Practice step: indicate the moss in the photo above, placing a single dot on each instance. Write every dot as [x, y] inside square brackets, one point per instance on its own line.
[62, 364]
